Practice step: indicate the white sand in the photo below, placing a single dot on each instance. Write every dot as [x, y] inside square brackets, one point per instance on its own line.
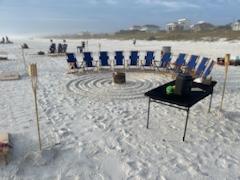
[92, 130]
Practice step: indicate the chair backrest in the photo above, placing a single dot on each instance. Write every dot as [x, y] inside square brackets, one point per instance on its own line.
[201, 67]
[165, 60]
[149, 58]
[208, 70]
[103, 57]
[180, 59]
[88, 59]
[71, 58]
[119, 58]
[52, 48]
[134, 57]
[64, 48]
[60, 48]
[192, 62]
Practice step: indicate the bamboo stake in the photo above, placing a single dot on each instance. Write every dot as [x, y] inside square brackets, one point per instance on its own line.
[226, 61]
[99, 46]
[87, 45]
[33, 74]
[24, 60]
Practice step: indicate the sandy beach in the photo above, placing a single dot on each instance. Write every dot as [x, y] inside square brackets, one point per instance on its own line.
[93, 130]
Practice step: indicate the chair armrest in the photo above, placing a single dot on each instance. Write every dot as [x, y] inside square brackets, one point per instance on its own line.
[155, 62]
[96, 62]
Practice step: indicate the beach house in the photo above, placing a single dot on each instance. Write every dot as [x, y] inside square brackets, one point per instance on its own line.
[179, 25]
[172, 27]
[150, 28]
[145, 28]
[202, 26]
[184, 23]
[236, 25]
[135, 28]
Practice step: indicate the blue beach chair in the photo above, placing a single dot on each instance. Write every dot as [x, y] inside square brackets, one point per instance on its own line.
[201, 67]
[148, 59]
[119, 59]
[164, 61]
[71, 57]
[208, 70]
[88, 60]
[134, 58]
[180, 61]
[191, 64]
[72, 62]
[104, 59]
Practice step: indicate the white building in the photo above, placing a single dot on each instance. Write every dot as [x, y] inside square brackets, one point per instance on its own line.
[172, 26]
[202, 26]
[184, 23]
[236, 26]
[150, 28]
[181, 25]
[135, 28]
[145, 28]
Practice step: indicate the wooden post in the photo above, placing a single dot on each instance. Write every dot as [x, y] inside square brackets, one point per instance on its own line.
[226, 62]
[32, 71]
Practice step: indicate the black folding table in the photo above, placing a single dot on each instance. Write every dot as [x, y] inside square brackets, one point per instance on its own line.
[198, 92]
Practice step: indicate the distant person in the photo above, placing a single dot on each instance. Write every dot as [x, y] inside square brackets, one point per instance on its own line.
[60, 48]
[52, 47]
[99, 46]
[64, 46]
[80, 49]
[83, 44]
[8, 41]
[134, 42]
[3, 40]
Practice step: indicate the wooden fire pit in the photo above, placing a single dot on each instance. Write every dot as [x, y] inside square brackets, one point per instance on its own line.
[119, 77]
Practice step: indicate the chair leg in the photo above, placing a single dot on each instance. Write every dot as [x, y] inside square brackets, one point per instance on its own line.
[210, 103]
[185, 129]
[148, 112]
[6, 159]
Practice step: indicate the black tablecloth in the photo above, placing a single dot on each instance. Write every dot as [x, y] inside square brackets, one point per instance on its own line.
[198, 92]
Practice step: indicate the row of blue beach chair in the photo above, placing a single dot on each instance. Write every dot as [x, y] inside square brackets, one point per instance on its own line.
[193, 64]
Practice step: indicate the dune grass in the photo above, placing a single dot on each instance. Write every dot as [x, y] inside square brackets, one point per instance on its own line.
[211, 35]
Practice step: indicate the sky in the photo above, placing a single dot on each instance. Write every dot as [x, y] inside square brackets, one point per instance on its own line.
[98, 16]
